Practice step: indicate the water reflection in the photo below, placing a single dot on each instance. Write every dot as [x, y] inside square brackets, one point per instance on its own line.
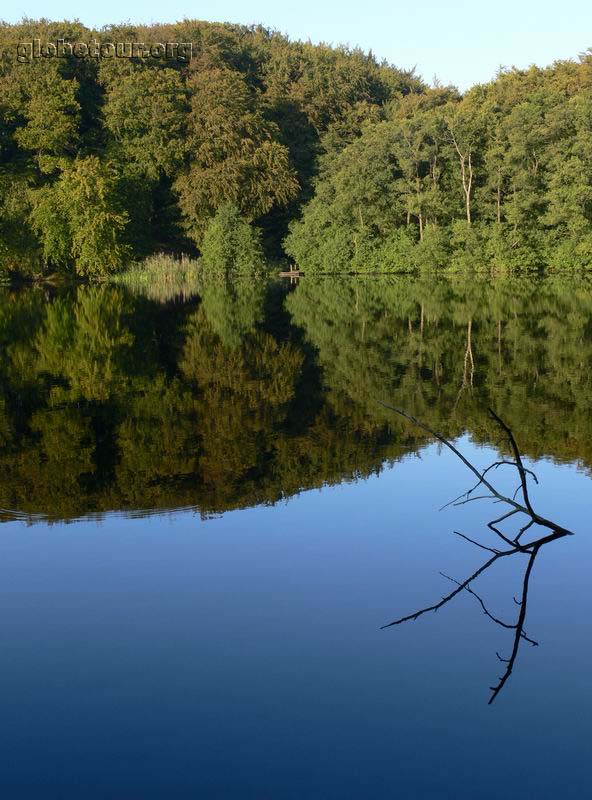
[513, 543]
[251, 392]
[242, 655]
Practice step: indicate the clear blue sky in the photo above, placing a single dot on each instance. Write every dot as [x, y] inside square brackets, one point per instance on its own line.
[460, 42]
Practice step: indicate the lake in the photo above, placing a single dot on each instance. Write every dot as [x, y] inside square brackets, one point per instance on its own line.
[208, 514]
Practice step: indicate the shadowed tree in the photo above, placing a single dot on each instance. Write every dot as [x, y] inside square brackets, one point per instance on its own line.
[234, 155]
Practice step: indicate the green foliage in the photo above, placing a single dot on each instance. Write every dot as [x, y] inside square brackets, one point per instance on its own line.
[233, 156]
[230, 245]
[146, 113]
[80, 219]
[239, 124]
[498, 180]
[50, 112]
[356, 164]
[19, 249]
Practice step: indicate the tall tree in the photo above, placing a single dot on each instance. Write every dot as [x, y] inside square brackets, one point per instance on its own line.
[234, 156]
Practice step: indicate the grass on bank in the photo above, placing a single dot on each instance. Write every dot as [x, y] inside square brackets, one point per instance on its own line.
[162, 277]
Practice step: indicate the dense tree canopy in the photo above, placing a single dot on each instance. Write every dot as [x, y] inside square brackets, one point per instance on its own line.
[234, 116]
[497, 178]
[344, 163]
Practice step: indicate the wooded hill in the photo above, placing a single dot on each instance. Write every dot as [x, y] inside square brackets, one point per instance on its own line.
[358, 163]
[106, 158]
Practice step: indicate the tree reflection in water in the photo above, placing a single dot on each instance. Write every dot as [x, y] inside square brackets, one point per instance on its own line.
[249, 392]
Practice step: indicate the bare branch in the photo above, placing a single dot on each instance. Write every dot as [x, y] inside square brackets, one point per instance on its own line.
[480, 477]
[488, 613]
[477, 544]
[531, 549]
[519, 629]
[449, 597]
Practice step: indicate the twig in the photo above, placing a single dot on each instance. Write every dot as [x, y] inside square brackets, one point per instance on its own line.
[531, 549]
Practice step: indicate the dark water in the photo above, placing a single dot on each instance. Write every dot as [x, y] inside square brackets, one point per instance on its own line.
[208, 515]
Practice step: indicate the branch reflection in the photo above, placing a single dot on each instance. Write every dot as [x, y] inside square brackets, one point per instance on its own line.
[519, 506]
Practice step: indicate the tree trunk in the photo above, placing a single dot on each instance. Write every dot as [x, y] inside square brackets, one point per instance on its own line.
[467, 185]
[466, 171]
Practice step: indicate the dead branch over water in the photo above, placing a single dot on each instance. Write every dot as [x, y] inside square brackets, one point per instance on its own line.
[512, 544]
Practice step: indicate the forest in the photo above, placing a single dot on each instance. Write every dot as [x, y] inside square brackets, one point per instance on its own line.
[258, 149]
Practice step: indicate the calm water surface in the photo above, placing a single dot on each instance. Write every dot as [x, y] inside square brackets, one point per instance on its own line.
[207, 515]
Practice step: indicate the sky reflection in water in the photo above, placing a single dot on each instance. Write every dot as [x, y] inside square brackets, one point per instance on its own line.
[242, 656]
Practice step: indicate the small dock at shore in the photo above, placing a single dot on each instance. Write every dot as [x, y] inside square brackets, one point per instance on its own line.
[293, 272]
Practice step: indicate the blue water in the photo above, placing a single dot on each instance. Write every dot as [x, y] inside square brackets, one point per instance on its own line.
[242, 656]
